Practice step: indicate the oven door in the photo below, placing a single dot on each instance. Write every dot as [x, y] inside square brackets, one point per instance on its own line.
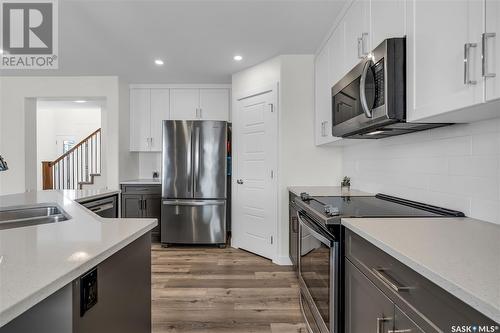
[319, 255]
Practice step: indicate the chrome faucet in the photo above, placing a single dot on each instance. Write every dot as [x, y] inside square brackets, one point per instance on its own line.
[3, 164]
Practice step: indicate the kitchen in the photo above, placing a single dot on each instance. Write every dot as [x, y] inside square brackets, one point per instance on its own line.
[406, 108]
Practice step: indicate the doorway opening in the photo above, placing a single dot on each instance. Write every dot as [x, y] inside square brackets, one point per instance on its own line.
[68, 142]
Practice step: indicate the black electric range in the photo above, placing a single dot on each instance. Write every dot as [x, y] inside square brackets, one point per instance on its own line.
[329, 210]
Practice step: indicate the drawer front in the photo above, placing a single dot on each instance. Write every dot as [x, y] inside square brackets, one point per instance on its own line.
[429, 306]
[141, 189]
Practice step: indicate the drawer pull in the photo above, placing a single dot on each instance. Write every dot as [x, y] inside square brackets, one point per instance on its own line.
[399, 331]
[380, 274]
[380, 324]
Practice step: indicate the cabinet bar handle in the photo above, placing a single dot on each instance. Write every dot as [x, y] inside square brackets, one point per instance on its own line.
[364, 52]
[380, 274]
[484, 48]
[467, 80]
[400, 331]
[380, 324]
[360, 41]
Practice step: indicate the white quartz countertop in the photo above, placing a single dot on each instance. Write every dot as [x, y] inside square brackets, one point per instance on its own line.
[36, 261]
[88, 194]
[150, 181]
[461, 255]
[323, 191]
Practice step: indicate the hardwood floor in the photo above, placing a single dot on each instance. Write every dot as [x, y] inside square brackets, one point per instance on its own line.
[214, 290]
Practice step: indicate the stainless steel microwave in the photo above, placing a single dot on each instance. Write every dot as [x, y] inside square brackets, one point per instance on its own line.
[369, 102]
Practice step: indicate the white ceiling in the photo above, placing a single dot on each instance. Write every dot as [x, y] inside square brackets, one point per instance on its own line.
[197, 39]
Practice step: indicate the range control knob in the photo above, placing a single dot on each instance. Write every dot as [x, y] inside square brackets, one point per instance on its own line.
[305, 196]
[331, 211]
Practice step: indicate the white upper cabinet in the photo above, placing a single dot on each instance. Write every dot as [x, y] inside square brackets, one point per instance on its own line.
[148, 107]
[322, 97]
[214, 104]
[444, 56]
[139, 119]
[387, 20]
[151, 104]
[198, 104]
[356, 33]
[491, 39]
[336, 63]
[159, 111]
[184, 104]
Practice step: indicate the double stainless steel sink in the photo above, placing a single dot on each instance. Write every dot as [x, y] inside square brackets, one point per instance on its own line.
[23, 216]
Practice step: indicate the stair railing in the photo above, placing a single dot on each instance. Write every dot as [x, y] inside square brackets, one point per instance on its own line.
[76, 167]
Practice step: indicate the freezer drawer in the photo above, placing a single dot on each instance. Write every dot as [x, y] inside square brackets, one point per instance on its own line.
[193, 221]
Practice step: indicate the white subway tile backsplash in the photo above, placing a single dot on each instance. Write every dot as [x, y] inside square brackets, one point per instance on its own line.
[456, 167]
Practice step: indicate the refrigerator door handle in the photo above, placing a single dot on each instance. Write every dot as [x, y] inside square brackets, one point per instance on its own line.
[197, 158]
[194, 203]
[190, 163]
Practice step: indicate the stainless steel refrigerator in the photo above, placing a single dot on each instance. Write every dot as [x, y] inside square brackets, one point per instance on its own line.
[194, 185]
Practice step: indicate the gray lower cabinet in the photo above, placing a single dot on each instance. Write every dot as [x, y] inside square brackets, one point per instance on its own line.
[293, 235]
[113, 297]
[384, 295]
[142, 201]
[369, 309]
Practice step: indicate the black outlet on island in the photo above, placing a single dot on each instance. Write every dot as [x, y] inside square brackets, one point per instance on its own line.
[88, 291]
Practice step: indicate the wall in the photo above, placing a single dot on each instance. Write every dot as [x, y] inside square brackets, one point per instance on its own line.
[15, 94]
[52, 123]
[454, 167]
[149, 162]
[300, 161]
[128, 161]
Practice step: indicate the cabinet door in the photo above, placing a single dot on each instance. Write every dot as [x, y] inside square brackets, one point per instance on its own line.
[387, 20]
[438, 32]
[336, 64]
[160, 105]
[367, 308]
[322, 96]
[131, 205]
[214, 104]
[184, 104]
[356, 33]
[140, 119]
[403, 324]
[492, 50]
[152, 209]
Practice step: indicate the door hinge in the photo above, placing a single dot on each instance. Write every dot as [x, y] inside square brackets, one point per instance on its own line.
[271, 239]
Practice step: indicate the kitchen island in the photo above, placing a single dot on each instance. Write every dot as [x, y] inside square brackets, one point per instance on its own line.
[41, 261]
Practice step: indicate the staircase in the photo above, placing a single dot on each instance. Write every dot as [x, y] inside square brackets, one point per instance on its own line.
[75, 168]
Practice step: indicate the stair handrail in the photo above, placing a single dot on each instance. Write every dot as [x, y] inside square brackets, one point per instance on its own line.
[75, 147]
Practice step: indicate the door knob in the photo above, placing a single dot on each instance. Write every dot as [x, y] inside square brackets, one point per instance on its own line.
[239, 181]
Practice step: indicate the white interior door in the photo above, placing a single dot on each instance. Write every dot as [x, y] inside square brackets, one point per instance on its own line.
[255, 191]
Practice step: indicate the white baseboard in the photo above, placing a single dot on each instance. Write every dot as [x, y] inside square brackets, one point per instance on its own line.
[282, 261]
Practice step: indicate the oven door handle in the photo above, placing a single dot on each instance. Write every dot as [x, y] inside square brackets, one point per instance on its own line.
[317, 235]
[362, 91]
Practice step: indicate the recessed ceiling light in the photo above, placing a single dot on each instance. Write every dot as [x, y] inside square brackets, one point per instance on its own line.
[238, 58]
[159, 62]
[80, 101]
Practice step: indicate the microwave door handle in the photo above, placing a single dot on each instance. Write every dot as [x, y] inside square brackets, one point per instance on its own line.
[362, 86]
[315, 234]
